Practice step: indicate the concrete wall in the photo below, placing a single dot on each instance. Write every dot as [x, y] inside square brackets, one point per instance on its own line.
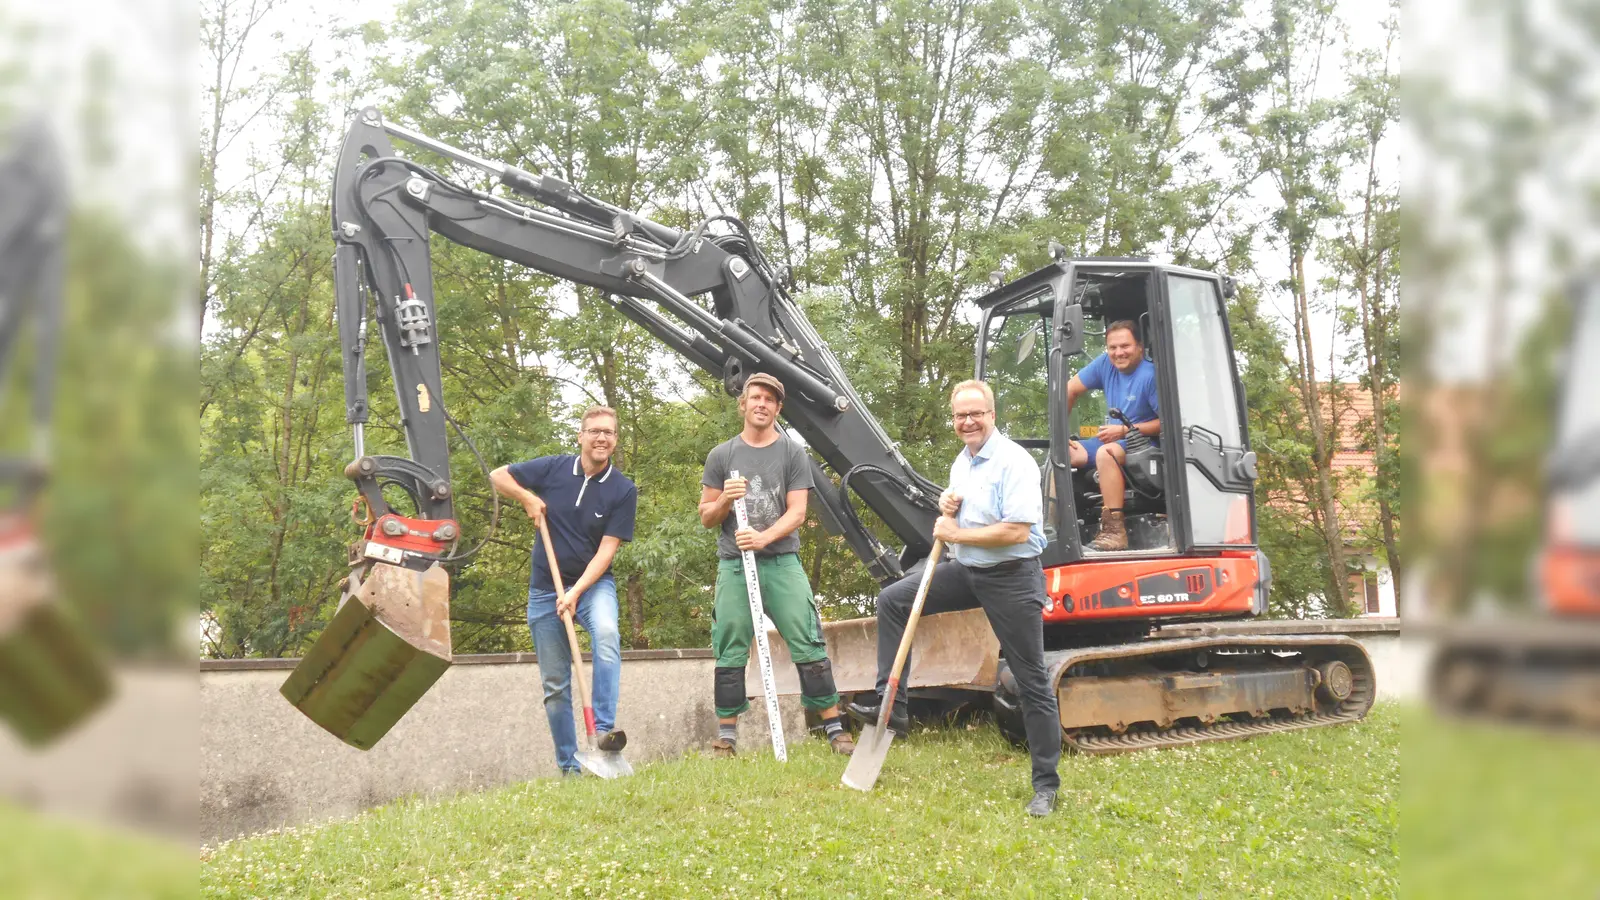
[131, 763]
[263, 765]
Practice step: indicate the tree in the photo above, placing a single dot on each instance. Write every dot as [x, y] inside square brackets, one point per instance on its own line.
[1289, 138]
[1365, 257]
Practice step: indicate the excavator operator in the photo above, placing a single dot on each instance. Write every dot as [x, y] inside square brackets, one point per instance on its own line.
[1129, 383]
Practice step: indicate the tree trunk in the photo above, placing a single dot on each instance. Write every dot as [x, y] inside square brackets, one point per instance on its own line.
[1322, 446]
[638, 640]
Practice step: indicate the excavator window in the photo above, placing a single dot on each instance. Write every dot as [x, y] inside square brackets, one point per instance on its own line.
[1200, 351]
[1117, 294]
[1575, 452]
[1016, 364]
[1208, 419]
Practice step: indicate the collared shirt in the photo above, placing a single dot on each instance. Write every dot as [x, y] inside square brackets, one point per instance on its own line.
[1000, 483]
[580, 509]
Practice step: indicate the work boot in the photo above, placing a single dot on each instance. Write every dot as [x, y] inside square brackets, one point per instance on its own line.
[868, 715]
[1042, 804]
[722, 748]
[1113, 532]
[612, 741]
[842, 743]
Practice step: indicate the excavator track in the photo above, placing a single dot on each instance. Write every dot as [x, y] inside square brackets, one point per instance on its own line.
[1175, 692]
[1540, 672]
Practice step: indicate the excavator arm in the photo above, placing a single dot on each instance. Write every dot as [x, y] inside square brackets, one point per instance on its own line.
[712, 298]
[51, 674]
[708, 294]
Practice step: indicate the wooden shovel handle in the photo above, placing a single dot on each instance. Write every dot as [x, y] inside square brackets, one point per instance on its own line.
[887, 703]
[572, 633]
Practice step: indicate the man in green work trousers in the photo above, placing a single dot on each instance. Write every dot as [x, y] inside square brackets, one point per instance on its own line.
[773, 480]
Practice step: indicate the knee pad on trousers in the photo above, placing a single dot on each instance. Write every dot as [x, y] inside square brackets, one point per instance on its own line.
[729, 691]
[816, 678]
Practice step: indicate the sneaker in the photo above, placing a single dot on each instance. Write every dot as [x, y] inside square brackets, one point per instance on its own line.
[842, 743]
[722, 748]
[1042, 804]
[868, 715]
[612, 741]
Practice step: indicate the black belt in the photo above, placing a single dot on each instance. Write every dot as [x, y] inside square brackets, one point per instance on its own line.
[1010, 565]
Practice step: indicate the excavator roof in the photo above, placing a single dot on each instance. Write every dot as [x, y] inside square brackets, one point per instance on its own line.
[1032, 281]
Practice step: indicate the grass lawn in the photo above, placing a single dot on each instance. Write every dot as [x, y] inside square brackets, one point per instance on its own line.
[1499, 812]
[1305, 814]
[51, 859]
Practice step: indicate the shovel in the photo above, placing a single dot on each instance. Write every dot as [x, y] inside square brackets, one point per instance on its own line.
[867, 761]
[604, 763]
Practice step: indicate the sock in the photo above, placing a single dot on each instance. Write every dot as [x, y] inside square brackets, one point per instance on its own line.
[728, 733]
[833, 726]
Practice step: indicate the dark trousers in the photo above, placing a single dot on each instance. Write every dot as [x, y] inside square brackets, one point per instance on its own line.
[1012, 596]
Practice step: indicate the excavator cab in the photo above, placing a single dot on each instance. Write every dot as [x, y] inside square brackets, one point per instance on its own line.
[1545, 668]
[1569, 564]
[1190, 489]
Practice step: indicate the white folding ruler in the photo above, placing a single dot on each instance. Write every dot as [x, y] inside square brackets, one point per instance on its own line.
[752, 587]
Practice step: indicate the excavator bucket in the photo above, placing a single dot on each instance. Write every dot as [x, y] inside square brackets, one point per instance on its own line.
[51, 677]
[387, 644]
[953, 649]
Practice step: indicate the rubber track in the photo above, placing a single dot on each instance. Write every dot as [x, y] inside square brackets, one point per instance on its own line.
[1353, 709]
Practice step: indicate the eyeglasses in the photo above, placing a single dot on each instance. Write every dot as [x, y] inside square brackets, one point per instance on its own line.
[969, 416]
[600, 432]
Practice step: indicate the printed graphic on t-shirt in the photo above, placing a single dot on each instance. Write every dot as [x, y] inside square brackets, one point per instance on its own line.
[761, 502]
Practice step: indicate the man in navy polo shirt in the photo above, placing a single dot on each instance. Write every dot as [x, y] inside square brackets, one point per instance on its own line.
[1129, 383]
[588, 507]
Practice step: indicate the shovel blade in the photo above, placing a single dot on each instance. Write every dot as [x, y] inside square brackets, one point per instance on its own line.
[604, 764]
[867, 760]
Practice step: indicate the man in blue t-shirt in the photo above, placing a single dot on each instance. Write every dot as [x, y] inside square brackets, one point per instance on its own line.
[588, 507]
[1129, 383]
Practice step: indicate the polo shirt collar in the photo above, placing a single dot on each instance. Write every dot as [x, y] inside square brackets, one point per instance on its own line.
[577, 469]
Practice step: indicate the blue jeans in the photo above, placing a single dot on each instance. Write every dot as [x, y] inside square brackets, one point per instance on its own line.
[597, 613]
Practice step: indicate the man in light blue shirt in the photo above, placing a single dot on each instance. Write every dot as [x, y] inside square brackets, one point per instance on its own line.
[992, 519]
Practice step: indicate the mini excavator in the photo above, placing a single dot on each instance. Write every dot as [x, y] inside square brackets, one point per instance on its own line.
[713, 297]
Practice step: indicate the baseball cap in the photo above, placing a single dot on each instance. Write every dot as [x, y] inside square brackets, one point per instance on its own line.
[765, 380]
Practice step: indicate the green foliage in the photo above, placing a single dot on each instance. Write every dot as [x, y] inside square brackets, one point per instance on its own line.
[118, 510]
[1286, 523]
